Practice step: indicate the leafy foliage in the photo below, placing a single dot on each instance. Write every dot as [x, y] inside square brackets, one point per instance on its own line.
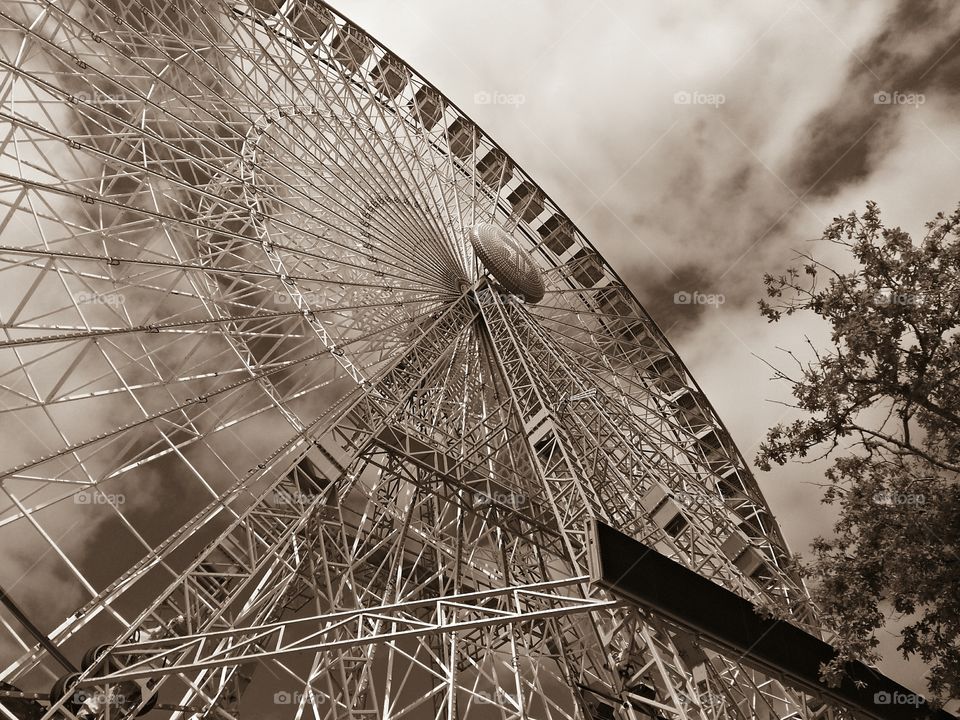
[884, 403]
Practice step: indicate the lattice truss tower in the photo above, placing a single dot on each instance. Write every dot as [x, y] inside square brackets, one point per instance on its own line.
[308, 391]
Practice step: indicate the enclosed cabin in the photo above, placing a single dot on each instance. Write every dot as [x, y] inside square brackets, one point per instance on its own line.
[494, 169]
[351, 47]
[310, 22]
[557, 234]
[390, 76]
[664, 375]
[427, 107]
[526, 201]
[462, 138]
[585, 268]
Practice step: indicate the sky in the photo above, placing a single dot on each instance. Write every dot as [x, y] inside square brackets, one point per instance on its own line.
[699, 145]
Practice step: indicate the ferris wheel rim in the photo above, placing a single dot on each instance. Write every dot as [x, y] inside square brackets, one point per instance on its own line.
[469, 301]
[526, 178]
[580, 235]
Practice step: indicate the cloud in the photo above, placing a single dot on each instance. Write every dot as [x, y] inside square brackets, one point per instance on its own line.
[915, 54]
[685, 197]
[698, 145]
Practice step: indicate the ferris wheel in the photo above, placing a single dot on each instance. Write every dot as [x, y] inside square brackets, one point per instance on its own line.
[310, 392]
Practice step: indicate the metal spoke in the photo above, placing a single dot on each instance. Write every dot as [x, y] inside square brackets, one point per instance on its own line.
[315, 388]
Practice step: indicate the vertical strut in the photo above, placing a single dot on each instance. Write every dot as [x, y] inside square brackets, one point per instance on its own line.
[40, 636]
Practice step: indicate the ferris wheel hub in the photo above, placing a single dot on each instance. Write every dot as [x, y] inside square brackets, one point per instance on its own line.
[507, 261]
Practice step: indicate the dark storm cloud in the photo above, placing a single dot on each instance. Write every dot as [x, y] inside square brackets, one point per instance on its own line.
[687, 197]
[735, 195]
[669, 296]
[917, 52]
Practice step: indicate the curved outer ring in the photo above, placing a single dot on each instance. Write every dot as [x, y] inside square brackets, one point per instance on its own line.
[745, 474]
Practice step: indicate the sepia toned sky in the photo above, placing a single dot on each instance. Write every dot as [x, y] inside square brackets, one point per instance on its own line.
[697, 144]
[701, 144]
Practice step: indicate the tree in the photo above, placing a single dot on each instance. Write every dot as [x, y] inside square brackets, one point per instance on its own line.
[883, 402]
